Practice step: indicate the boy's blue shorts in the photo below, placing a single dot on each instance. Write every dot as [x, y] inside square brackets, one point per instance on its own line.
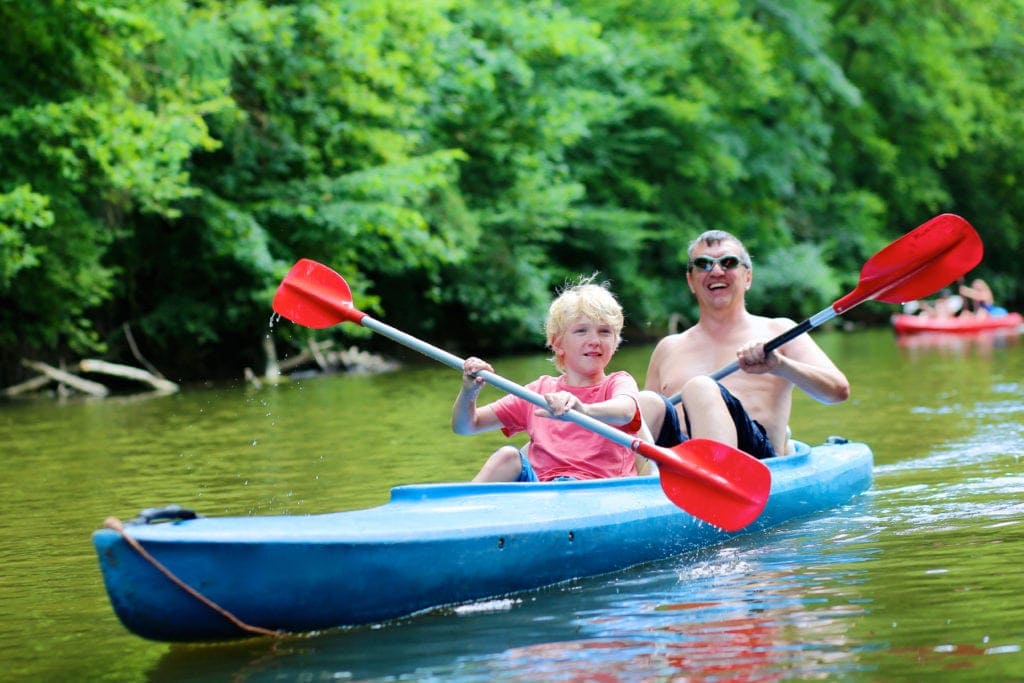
[527, 474]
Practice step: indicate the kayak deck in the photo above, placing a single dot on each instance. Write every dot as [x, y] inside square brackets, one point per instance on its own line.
[430, 545]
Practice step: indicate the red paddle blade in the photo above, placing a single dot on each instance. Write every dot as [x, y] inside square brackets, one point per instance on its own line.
[712, 481]
[313, 295]
[918, 264]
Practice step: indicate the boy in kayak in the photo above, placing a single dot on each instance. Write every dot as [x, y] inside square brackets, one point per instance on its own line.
[583, 330]
[749, 409]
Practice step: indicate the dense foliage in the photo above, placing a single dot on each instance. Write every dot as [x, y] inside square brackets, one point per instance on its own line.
[163, 162]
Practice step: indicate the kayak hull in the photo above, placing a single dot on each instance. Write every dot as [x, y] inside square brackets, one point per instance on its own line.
[907, 324]
[431, 545]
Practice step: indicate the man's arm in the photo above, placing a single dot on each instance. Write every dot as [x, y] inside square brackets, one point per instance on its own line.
[801, 362]
[652, 382]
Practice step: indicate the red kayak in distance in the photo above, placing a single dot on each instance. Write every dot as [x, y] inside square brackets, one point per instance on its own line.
[909, 324]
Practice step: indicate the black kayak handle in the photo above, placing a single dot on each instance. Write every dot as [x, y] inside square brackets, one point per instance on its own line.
[167, 513]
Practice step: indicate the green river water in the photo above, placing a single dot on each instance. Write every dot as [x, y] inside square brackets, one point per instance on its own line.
[918, 578]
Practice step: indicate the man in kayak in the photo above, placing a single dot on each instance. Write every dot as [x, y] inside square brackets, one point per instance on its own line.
[583, 331]
[749, 409]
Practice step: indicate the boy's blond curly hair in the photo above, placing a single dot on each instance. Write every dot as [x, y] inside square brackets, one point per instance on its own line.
[585, 298]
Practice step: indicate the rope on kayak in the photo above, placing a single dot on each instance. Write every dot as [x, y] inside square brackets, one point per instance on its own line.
[115, 524]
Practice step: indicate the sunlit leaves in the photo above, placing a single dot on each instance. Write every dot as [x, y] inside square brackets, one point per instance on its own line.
[22, 212]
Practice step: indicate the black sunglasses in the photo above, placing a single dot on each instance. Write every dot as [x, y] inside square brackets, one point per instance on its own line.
[707, 263]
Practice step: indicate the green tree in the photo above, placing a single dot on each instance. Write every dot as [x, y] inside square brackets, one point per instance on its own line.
[163, 163]
[85, 139]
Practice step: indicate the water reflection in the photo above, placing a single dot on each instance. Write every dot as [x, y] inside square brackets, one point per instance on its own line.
[983, 342]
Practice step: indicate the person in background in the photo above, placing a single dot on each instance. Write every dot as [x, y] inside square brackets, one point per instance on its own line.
[749, 409]
[947, 305]
[583, 328]
[969, 305]
[980, 296]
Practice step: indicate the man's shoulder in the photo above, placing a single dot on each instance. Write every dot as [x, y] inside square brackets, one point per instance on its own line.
[774, 325]
[672, 341]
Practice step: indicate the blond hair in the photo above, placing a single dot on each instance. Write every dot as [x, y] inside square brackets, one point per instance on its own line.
[584, 298]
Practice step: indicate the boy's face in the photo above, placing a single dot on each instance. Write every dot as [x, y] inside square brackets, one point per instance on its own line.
[586, 347]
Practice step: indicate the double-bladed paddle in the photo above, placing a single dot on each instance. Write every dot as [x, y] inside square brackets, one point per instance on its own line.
[710, 480]
[924, 260]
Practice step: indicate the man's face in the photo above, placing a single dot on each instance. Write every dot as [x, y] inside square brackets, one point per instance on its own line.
[718, 273]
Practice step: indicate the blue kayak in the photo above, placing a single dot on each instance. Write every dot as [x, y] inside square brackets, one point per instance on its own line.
[429, 546]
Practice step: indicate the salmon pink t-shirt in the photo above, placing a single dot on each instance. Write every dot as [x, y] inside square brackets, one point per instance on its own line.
[559, 448]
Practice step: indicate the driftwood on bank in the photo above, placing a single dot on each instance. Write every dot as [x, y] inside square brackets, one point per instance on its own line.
[66, 380]
[272, 371]
[137, 353]
[328, 359]
[314, 352]
[324, 356]
[102, 367]
[61, 377]
[28, 386]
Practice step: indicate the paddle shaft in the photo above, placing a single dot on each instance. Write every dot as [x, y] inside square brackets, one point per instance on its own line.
[817, 319]
[607, 431]
[498, 381]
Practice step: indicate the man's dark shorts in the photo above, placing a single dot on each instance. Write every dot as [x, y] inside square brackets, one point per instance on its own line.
[751, 435]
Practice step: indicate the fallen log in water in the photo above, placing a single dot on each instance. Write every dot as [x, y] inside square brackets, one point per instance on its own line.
[324, 356]
[28, 386]
[103, 367]
[75, 382]
[66, 380]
